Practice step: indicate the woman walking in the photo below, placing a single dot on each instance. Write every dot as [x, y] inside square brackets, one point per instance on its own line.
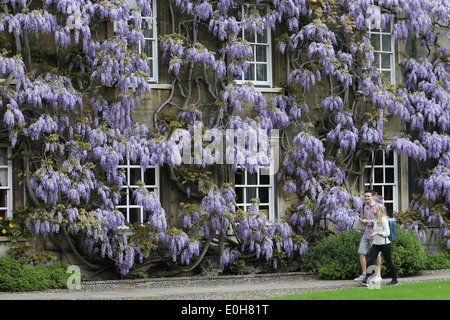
[381, 243]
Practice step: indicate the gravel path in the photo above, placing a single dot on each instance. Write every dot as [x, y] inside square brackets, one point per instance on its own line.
[226, 288]
[247, 287]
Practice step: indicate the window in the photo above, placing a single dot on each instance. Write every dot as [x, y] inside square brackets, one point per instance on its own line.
[150, 48]
[134, 173]
[255, 185]
[260, 70]
[383, 178]
[5, 182]
[384, 52]
[151, 43]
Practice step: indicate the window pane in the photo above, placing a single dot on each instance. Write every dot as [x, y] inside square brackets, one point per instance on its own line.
[145, 216]
[389, 159]
[124, 212]
[385, 61]
[378, 190]
[147, 28]
[378, 175]
[130, 197]
[4, 177]
[3, 198]
[252, 178]
[264, 210]
[149, 176]
[249, 36]
[250, 74]
[388, 27]
[371, 154]
[388, 195]
[150, 63]
[367, 176]
[376, 61]
[238, 177]
[386, 42]
[387, 75]
[379, 158]
[261, 54]
[262, 38]
[390, 208]
[389, 175]
[123, 197]
[261, 72]
[375, 39]
[264, 178]
[250, 193]
[237, 13]
[148, 48]
[264, 195]
[239, 195]
[3, 156]
[134, 215]
[135, 176]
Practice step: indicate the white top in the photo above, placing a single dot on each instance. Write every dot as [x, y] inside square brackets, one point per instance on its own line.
[383, 229]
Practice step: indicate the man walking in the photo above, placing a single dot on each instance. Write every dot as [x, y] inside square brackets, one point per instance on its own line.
[366, 239]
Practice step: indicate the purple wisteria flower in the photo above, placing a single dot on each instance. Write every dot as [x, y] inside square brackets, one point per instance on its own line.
[76, 117]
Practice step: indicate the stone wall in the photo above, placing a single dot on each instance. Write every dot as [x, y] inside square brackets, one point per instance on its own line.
[434, 240]
[5, 245]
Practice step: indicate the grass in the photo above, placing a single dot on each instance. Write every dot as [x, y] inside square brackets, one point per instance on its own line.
[433, 290]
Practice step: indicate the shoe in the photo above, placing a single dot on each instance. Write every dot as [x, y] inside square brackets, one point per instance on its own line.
[364, 281]
[393, 282]
[361, 277]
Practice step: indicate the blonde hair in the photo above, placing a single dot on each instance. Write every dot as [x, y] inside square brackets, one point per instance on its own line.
[381, 213]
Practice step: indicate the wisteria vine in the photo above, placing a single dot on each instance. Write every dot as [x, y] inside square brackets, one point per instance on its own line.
[73, 134]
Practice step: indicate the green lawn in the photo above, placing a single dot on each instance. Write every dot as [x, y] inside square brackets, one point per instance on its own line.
[433, 290]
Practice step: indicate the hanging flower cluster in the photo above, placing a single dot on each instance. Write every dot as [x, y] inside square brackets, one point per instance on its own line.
[219, 206]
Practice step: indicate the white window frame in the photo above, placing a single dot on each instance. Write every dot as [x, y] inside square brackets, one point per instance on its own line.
[9, 187]
[245, 203]
[382, 185]
[257, 42]
[154, 40]
[128, 187]
[380, 50]
[153, 61]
